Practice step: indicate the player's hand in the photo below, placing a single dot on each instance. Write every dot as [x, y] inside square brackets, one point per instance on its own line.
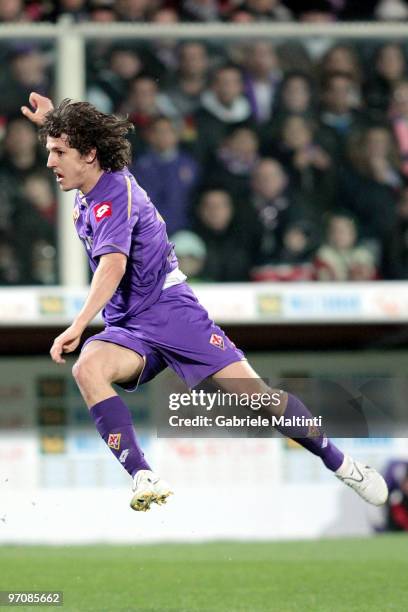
[66, 343]
[41, 106]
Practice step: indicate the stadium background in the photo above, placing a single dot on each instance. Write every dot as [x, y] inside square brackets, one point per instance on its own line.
[59, 484]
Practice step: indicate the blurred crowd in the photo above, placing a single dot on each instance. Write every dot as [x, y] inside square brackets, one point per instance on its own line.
[28, 197]
[396, 508]
[284, 161]
[236, 11]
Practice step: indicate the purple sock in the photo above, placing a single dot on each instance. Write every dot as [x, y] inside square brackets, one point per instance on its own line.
[311, 438]
[114, 423]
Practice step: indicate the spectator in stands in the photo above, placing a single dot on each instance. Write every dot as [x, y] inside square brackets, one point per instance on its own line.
[234, 162]
[295, 97]
[12, 11]
[298, 245]
[391, 10]
[223, 107]
[343, 59]
[341, 258]
[135, 10]
[10, 267]
[143, 104]
[272, 206]
[262, 10]
[262, 77]
[396, 476]
[102, 11]
[199, 10]
[43, 263]
[317, 11]
[21, 158]
[357, 11]
[168, 174]
[294, 57]
[164, 50]
[21, 153]
[109, 86]
[191, 254]
[231, 248]
[36, 239]
[39, 193]
[399, 120]
[238, 15]
[9, 204]
[77, 10]
[294, 256]
[165, 15]
[395, 260]
[187, 85]
[310, 167]
[339, 115]
[369, 183]
[26, 72]
[390, 68]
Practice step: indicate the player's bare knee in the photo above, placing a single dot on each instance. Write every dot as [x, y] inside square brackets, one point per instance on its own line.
[91, 369]
[79, 372]
[85, 372]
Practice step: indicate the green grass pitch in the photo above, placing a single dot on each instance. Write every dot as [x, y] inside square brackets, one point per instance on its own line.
[317, 576]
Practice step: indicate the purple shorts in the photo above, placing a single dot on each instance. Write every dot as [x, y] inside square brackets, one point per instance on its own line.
[177, 332]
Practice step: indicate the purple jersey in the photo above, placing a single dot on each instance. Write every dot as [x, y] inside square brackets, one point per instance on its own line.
[117, 216]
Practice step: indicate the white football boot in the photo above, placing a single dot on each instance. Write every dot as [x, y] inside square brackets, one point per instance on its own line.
[148, 488]
[365, 480]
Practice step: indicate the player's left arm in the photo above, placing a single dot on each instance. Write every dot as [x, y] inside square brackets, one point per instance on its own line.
[106, 279]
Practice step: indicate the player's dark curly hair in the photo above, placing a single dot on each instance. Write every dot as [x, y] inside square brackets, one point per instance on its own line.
[87, 128]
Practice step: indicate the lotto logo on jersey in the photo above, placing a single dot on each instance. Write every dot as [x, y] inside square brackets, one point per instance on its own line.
[102, 210]
[217, 341]
[114, 441]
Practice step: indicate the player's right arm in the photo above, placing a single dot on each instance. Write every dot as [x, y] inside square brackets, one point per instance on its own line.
[41, 105]
[105, 281]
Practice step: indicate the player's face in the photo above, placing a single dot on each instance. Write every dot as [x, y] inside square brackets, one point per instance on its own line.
[71, 169]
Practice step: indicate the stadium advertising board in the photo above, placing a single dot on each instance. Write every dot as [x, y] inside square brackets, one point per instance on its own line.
[235, 303]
